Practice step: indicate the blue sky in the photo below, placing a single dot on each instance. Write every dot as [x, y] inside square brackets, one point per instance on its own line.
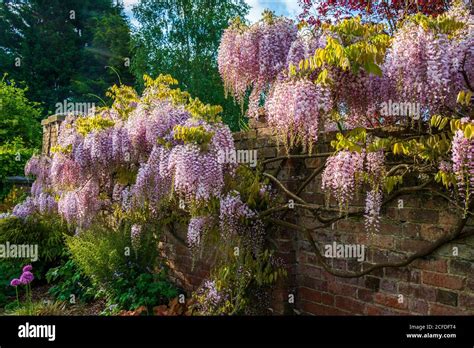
[288, 8]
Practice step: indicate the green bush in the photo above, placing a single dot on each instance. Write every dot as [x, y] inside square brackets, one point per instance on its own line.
[16, 195]
[20, 131]
[45, 231]
[13, 156]
[68, 281]
[134, 289]
[127, 271]
[19, 117]
[8, 270]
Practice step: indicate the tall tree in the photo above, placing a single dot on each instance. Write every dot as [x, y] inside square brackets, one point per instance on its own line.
[181, 38]
[60, 48]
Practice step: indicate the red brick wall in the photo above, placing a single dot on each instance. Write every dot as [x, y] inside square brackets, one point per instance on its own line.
[441, 284]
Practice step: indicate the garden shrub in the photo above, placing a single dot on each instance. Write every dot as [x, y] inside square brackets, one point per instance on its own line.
[8, 271]
[13, 156]
[69, 283]
[126, 268]
[45, 231]
[16, 195]
[20, 131]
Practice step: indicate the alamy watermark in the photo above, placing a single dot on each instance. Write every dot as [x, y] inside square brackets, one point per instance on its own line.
[238, 156]
[345, 251]
[394, 108]
[37, 331]
[20, 251]
[70, 108]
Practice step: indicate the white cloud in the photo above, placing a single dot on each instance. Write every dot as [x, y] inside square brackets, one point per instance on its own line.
[256, 9]
[130, 3]
[292, 7]
[281, 7]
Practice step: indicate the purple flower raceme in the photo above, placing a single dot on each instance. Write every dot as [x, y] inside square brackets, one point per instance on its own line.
[197, 175]
[339, 176]
[232, 211]
[196, 229]
[424, 63]
[373, 203]
[463, 164]
[136, 231]
[135, 234]
[211, 297]
[445, 166]
[25, 209]
[28, 268]
[254, 56]
[295, 109]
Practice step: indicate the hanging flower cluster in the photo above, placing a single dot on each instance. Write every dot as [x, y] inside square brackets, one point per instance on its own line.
[39, 200]
[196, 229]
[303, 47]
[295, 109]
[211, 298]
[463, 164]
[427, 57]
[106, 161]
[375, 169]
[346, 170]
[252, 57]
[340, 176]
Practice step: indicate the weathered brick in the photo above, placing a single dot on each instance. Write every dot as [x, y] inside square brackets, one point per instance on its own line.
[306, 294]
[327, 299]
[470, 285]
[382, 241]
[266, 152]
[390, 228]
[418, 306]
[418, 215]
[318, 309]
[388, 285]
[448, 217]
[372, 283]
[350, 304]
[342, 289]
[418, 291]
[365, 295]
[432, 233]
[442, 280]
[412, 245]
[467, 301]
[461, 267]
[403, 274]
[410, 230]
[390, 301]
[316, 284]
[439, 309]
[447, 297]
[440, 266]
[313, 162]
[377, 310]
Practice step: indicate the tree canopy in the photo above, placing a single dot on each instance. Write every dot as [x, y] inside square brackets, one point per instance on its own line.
[181, 38]
[60, 48]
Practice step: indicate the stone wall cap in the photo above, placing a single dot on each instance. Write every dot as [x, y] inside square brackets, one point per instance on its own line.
[52, 119]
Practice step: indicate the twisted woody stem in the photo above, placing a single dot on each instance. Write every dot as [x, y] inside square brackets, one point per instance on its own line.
[316, 210]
